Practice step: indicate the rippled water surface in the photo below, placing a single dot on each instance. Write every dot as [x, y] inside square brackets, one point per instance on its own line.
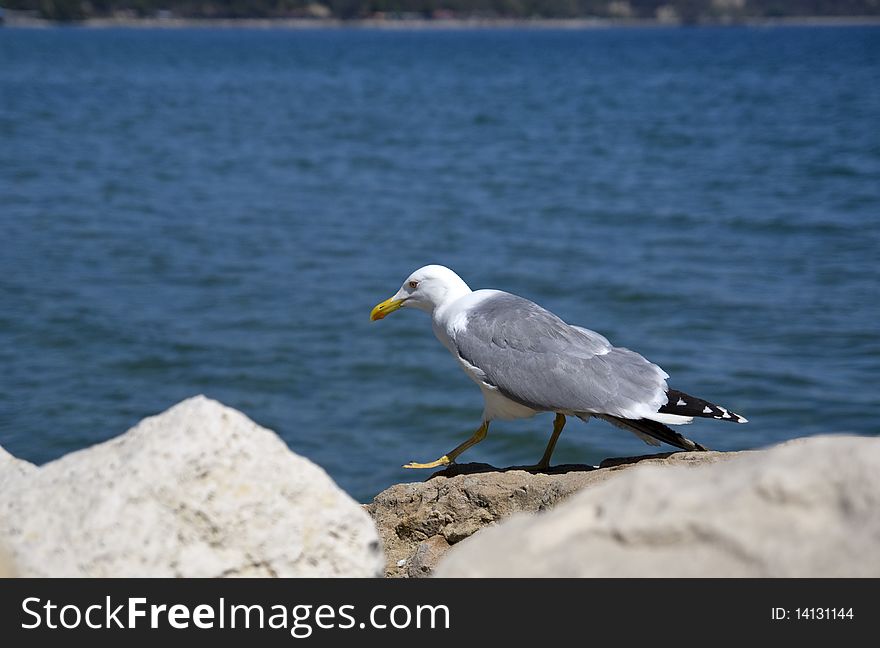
[216, 212]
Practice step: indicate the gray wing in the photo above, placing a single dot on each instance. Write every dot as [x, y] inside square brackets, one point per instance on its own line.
[537, 360]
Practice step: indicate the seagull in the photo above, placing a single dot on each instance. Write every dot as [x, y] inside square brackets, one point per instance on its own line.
[526, 360]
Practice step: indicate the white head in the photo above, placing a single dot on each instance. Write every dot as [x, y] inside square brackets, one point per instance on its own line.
[425, 289]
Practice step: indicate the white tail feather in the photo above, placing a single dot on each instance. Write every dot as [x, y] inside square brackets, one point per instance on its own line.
[669, 419]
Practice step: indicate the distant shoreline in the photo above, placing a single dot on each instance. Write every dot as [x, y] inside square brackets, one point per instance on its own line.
[432, 24]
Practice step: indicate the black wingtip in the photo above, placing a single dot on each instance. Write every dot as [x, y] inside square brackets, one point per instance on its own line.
[686, 405]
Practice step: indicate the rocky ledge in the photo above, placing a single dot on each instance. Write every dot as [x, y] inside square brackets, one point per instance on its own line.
[420, 522]
[806, 508]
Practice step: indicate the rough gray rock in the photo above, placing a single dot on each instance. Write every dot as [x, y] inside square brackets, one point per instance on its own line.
[426, 557]
[808, 508]
[199, 490]
[457, 502]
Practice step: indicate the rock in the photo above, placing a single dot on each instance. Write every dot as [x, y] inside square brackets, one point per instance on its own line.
[199, 490]
[457, 502]
[808, 508]
[12, 469]
[427, 554]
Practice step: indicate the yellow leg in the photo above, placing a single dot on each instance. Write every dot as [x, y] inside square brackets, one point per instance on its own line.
[558, 424]
[447, 459]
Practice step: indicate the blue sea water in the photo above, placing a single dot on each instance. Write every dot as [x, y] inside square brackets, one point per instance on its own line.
[200, 211]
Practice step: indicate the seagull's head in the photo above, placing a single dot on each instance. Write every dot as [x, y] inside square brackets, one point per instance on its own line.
[425, 289]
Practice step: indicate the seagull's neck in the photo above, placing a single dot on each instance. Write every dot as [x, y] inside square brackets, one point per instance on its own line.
[454, 289]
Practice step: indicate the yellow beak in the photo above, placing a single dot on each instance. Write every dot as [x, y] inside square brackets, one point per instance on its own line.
[385, 308]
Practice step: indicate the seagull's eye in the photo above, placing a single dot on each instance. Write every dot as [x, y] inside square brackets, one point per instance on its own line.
[413, 284]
